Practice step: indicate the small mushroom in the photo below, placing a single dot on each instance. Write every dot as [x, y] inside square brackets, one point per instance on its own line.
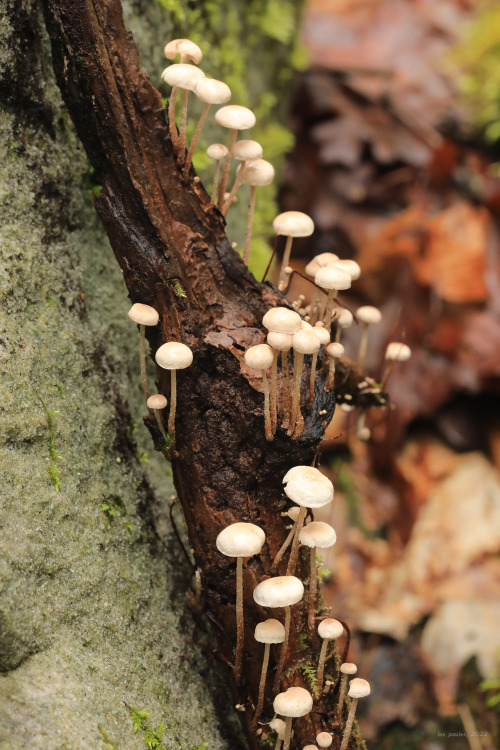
[216, 152]
[291, 704]
[319, 261]
[173, 356]
[240, 540]
[328, 629]
[209, 91]
[278, 726]
[369, 316]
[281, 591]
[332, 280]
[291, 224]
[235, 118]
[322, 535]
[343, 319]
[187, 50]
[282, 323]
[267, 632]
[346, 669]
[395, 352]
[185, 77]
[257, 173]
[324, 739]
[143, 315]
[334, 351]
[324, 339]
[243, 151]
[157, 402]
[282, 285]
[292, 513]
[358, 688]
[304, 342]
[352, 268]
[261, 357]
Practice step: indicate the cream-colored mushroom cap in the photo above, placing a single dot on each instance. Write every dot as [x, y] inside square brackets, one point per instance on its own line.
[369, 314]
[320, 261]
[330, 629]
[306, 342]
[278, 726]
[324, 739]
[307, 486]
[359, 688]
[280, 591]
[259, 357]
[398, 351]
[182, 75]
[306, 326]
[184, 47]
[174, 356]
[343, 317]
[235, 117]
[256, 173]
[240, 540]
[270, 631]
[282, 320]
[332, 278]
[143, 315]
[280, 341]
[335, 349]
[294, 702]
[350, 266]
[217, 151]
[156, 401]
[247, 149]
[211, 91]
[293, 512]
[309, 747]
[348, 668]
[293, 224]
[318, 534]
[322, 333]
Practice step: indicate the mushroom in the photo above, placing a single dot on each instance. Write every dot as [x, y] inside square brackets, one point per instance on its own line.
[347, 668]
[304, 342]
[185, 77]
[332, 280]
[240, 540]
[267, 632]
[343, 319]
[308, 487]
[395, 352]
[324, 739]
[324, 338]
[261, 357]
[291, 224]
[328, 629]
[334, 351]
[350, 266]
[157, 403]
[292, 513]
[236, 118]
[319, 261]
[278, 726]
[257, 173]
[284, 322]
[316, 534]
[363, 433]
[209, 91]
[216, 152]
[143, 315]
[243, 151]
[358, 688]
[369, 316]
[173, 356]
[291, 704]
[187, 50]
[281, 591]
[287, 272]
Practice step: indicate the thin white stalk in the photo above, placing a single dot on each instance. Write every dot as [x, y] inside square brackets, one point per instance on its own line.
[159, 422]
[284, 547]
[240, 624]
[288, 732]
[338, 333]
[234, 190]
[248, 232]
[225, 171]
[267, 410]
[196, 138]
[343, 689]
[297, 378]
[332, 294]
[363, 344]
[173, 400]
[274, 392]
[321, 665]
[312, 592]
[262, 683]
[294, 552]
[331, 374]
[283, 652]
[171, 116]
[313, 375]
[387, 373]
[287, 388]
[142, 355]
[216, 180]
[182, 129]
[349, 723]
[286, 257]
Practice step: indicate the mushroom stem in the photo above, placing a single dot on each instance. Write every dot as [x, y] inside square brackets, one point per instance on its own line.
[312, 592]
[288, 733]
[286, 257]
[196, 138]
[343, 688]
[234, 190]
[216, 180]
[294, 552]
[338, 333]
[363, 345]
[159, 422]
[321, 665]
[284, 649]
[313, 375]
[225, 171]
[349, 723]
[173, 400]
[262, 683]
[240, 625]
[298, 361]
[284, 547]
[315, 308]
[331, 374]
[182, 129]
[278, 744]
[171, 116]
[332, 293]
[267, 410]
[274, 392]
[142, 355]
[387, 374]
[286, 387]
[248, 232]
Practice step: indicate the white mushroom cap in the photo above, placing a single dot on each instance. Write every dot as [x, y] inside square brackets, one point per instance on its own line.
[320, 261]
[359, 688]
[330, 629]
[335, 349]
[307, 486]
[364, 434]
[235, 117]
[293, 224]
[310, 747]
[306, 342]
[240, 540]
[324, 739]
[270, 631]
[174, 356]
[368, 314]
[184, 47]
[256, 173]
[259, 357]
[398, 351]
[143, 315]
[211, 91]
[294, 702]
[306, 326]
[293, 512]
[343, 317]
[156, 401]
[282, 320]
[280, 341]
[280, 591]
[217, 151]
[245, 150]
[318, 534]
[331, 277]
[350, 266]
[348, 668]
[321, 332]
[278, 726]
[182, 75]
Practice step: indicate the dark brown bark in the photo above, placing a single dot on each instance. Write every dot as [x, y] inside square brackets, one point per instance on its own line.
[163, 229]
